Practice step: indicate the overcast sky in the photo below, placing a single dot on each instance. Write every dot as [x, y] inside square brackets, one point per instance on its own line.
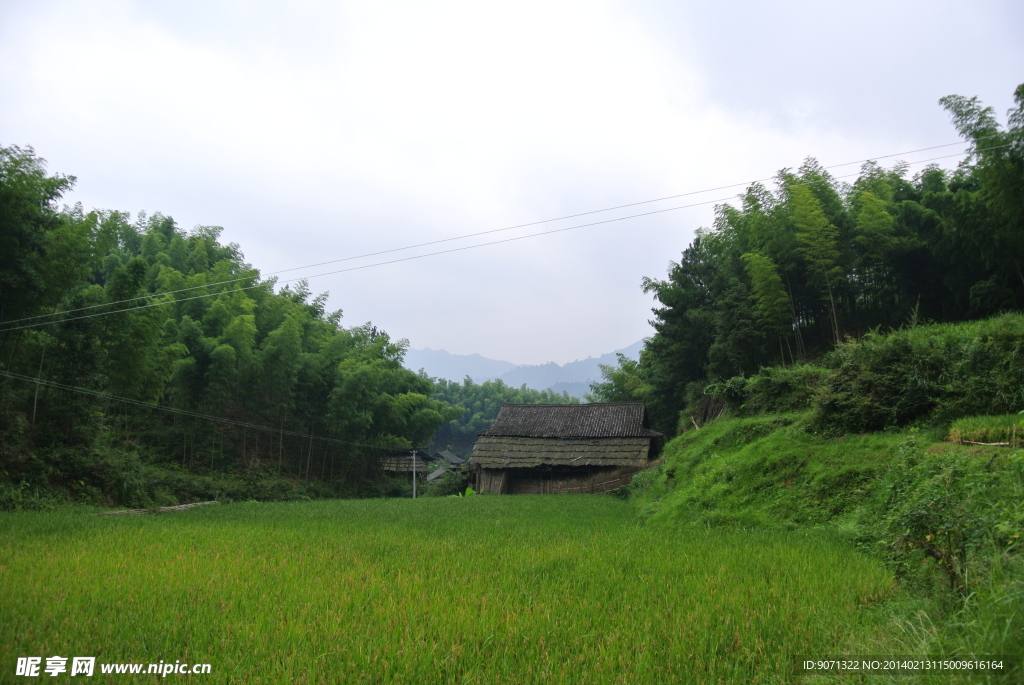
[314, 131]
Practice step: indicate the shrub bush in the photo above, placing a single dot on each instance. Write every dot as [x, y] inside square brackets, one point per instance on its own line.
[934, 373]
[24, 496]
[953, 508]
[451, 483]
[879, 382]
[775, 390]
[640, 483]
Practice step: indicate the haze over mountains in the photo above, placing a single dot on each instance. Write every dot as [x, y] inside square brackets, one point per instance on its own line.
[574, 377]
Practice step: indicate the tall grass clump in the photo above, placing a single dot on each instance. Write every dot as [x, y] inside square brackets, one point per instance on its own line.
[987, 429]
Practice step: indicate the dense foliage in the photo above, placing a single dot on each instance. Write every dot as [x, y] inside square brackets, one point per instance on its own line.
[789, 273]
[481, 402]
[925, 374]
[146, 313]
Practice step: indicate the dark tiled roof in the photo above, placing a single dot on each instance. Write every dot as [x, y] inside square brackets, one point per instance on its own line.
[450, 457]
[598, 420]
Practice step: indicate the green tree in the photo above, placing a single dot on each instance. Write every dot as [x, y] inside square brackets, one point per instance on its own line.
[280, 359]
[28, 216]
[684, 324]
[991, 215]
[819, 245]
[772, 301]
[135, 362]
[623, 382]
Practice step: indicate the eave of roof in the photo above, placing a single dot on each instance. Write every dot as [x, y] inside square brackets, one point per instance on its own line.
[519, 452]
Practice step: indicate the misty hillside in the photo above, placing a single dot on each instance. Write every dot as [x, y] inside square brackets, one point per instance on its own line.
[573, 377]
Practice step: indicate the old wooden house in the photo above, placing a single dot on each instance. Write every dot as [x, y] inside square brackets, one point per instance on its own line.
[562, 448]
[400, 462]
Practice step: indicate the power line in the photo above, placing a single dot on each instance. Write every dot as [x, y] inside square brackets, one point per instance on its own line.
[480, 233]
[405, 259]
[186, 412]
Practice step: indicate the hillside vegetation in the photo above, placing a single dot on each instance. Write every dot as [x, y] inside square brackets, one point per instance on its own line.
[946, 521]
[926, 375]
[947, 518]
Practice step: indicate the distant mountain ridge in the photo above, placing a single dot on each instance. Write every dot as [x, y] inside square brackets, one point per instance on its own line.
[455, 367]
[573, 377]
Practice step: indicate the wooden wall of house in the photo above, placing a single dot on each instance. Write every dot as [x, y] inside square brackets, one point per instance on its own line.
[492, 481]
[550, 481]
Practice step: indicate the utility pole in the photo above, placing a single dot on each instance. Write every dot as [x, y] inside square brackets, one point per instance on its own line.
[414, 474]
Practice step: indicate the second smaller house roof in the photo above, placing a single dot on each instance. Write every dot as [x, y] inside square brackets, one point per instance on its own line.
[401, 460]
[450, 457]
[598, 420]
[438, 473]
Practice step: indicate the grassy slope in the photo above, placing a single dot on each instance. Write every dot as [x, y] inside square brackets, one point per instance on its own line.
[479, 590]
[792, 469]
[766, 470]
[769, 472]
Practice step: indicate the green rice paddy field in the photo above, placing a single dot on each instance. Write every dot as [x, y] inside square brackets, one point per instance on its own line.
[526, 589]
